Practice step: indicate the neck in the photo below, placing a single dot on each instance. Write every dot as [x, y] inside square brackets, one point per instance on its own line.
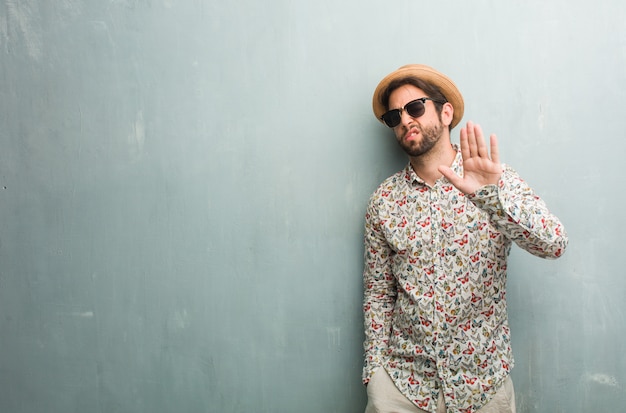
[426, 166]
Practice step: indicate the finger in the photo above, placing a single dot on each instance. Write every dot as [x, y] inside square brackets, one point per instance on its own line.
[471, 140]
[481, 145]
[495, 154]
[465, 153]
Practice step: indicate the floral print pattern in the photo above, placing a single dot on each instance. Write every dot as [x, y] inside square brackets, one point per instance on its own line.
[434, 283]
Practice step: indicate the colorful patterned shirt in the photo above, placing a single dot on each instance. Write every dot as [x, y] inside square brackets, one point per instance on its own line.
[434, 283]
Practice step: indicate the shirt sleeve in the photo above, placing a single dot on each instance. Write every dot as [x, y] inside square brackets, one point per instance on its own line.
[379, 286]
[522, 216]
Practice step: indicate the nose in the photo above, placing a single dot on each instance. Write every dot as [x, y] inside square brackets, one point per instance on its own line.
[405, 118]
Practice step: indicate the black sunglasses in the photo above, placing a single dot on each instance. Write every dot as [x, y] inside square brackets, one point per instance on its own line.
[414, 108]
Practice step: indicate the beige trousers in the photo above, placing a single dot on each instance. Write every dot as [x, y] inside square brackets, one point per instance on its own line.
[384, 397]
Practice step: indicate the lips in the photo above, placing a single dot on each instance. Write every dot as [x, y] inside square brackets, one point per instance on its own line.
[412, 134]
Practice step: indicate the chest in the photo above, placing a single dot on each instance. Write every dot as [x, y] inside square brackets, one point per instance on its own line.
[431, 218]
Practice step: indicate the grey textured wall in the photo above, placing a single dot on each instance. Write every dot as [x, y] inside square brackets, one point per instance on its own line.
[182, 189]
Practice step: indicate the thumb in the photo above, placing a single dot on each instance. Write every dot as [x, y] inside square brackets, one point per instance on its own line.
[449, 174]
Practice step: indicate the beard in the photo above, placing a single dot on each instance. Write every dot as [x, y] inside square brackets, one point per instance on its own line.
[430, 135]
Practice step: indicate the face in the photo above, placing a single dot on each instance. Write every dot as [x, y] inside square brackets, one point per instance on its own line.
[416, 136]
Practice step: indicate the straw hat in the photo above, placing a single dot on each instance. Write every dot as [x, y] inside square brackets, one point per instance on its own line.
[429, 75]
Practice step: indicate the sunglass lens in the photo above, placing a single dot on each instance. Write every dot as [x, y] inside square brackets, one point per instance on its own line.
[392, 118]
[415, 108]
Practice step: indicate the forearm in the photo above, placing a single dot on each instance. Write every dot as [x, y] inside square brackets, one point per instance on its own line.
[379, 296]
[378, 307]
[522, 216]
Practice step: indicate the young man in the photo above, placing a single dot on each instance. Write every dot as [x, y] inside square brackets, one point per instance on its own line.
[437, 237]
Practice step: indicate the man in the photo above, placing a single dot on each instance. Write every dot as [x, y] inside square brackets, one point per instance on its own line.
[437, 237]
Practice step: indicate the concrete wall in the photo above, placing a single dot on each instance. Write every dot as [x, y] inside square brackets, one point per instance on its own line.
[183, 183]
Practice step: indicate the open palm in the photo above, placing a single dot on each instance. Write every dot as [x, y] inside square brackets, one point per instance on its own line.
[480, 168]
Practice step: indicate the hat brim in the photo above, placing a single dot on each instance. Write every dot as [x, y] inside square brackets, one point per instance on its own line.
[429, 75]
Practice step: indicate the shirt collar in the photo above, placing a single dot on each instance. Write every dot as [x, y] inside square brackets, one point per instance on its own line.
[457, 167]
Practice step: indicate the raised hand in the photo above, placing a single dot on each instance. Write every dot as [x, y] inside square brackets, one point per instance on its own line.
[479, 167]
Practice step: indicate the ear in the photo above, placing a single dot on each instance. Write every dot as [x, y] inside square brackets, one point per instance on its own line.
[447, 112]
